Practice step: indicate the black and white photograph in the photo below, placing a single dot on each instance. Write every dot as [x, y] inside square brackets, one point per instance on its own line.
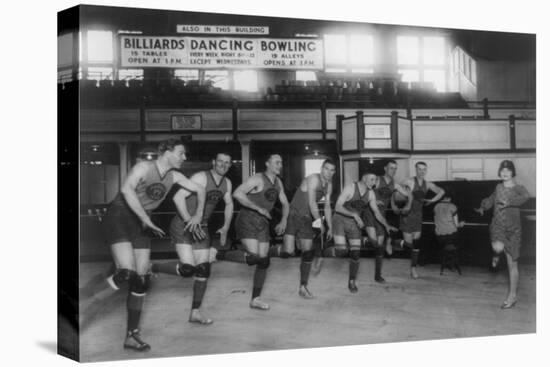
[237, 181]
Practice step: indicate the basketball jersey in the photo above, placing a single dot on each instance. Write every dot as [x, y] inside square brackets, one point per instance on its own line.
[214, 193]
[418, 194]
[357, 202]
[151, 188]
[384, 191]
[268, 195]
[300, 201]
[419, 191]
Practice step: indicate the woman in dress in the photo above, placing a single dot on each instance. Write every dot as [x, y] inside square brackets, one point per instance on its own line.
[505, 227]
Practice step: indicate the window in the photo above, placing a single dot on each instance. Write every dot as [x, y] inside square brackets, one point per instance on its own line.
[335, 70]
[187, 74]
[65, 50]
[335, 50]
[423, 59]
[306, 75]
[100, 47]
[433, 51]
[456, 63]
[64, 76]
[437, 77]
[100, 73]
[361, 50]
[125, 74]
[407, 50]
[473, 72]
[362, 71]
[409, 75]
[219, 78]
[245, 80]
[345, 53]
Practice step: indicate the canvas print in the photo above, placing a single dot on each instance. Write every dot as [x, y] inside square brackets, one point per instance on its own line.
[233, 183]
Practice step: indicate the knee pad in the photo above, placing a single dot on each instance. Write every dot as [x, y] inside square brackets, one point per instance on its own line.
[124, 276]
[186, 270]
[263, 262]
[140, 284]
[355, 254]
[416, 244]
[252, 259]
[203, 270]
[307, 256]
[380, 250]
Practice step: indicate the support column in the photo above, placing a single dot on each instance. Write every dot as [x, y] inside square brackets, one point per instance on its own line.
[124, 164]
[245, 157]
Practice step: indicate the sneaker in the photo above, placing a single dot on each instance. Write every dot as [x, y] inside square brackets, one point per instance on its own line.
[111, 282]
[305, 293]
[379, 279]
[133, 341]
[316, 266]
[414, 274]
[389, 249]
[352, 287]
[258, 304]
[198, 318]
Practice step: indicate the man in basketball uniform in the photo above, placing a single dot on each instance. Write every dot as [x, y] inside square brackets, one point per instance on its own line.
[375, 230]
[257, 195]
[303, 212]
[347, 222]
[127, 218]
[411, 223]
[193, 247]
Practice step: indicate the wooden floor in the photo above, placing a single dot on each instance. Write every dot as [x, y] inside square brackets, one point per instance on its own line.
[403, 309]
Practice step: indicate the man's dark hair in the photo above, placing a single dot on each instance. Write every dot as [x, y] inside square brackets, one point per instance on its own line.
[169, 144]
[328, 161]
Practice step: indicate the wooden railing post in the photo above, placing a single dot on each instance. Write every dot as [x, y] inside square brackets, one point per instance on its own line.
[512, 123]
[486, 109]
[339, 119]
[235, 118]
[393, 131]
[360, 130]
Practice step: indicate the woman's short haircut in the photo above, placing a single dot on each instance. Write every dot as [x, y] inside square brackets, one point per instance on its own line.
[509, 165]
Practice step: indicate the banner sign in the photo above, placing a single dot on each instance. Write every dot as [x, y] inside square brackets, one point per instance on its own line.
[221, 29]
[157, 52]
[220, 52]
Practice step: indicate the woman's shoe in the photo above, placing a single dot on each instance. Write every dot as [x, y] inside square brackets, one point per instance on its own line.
[506, 304]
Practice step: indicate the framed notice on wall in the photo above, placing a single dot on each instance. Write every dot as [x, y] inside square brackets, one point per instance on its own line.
[186, 122]
[378, 131]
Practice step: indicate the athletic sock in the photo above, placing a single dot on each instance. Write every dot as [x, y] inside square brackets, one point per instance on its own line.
[134, 305]
[353, 269]
[199, 288]
[305, 268]
[414, 257]
[378, 267]
[259, 279]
